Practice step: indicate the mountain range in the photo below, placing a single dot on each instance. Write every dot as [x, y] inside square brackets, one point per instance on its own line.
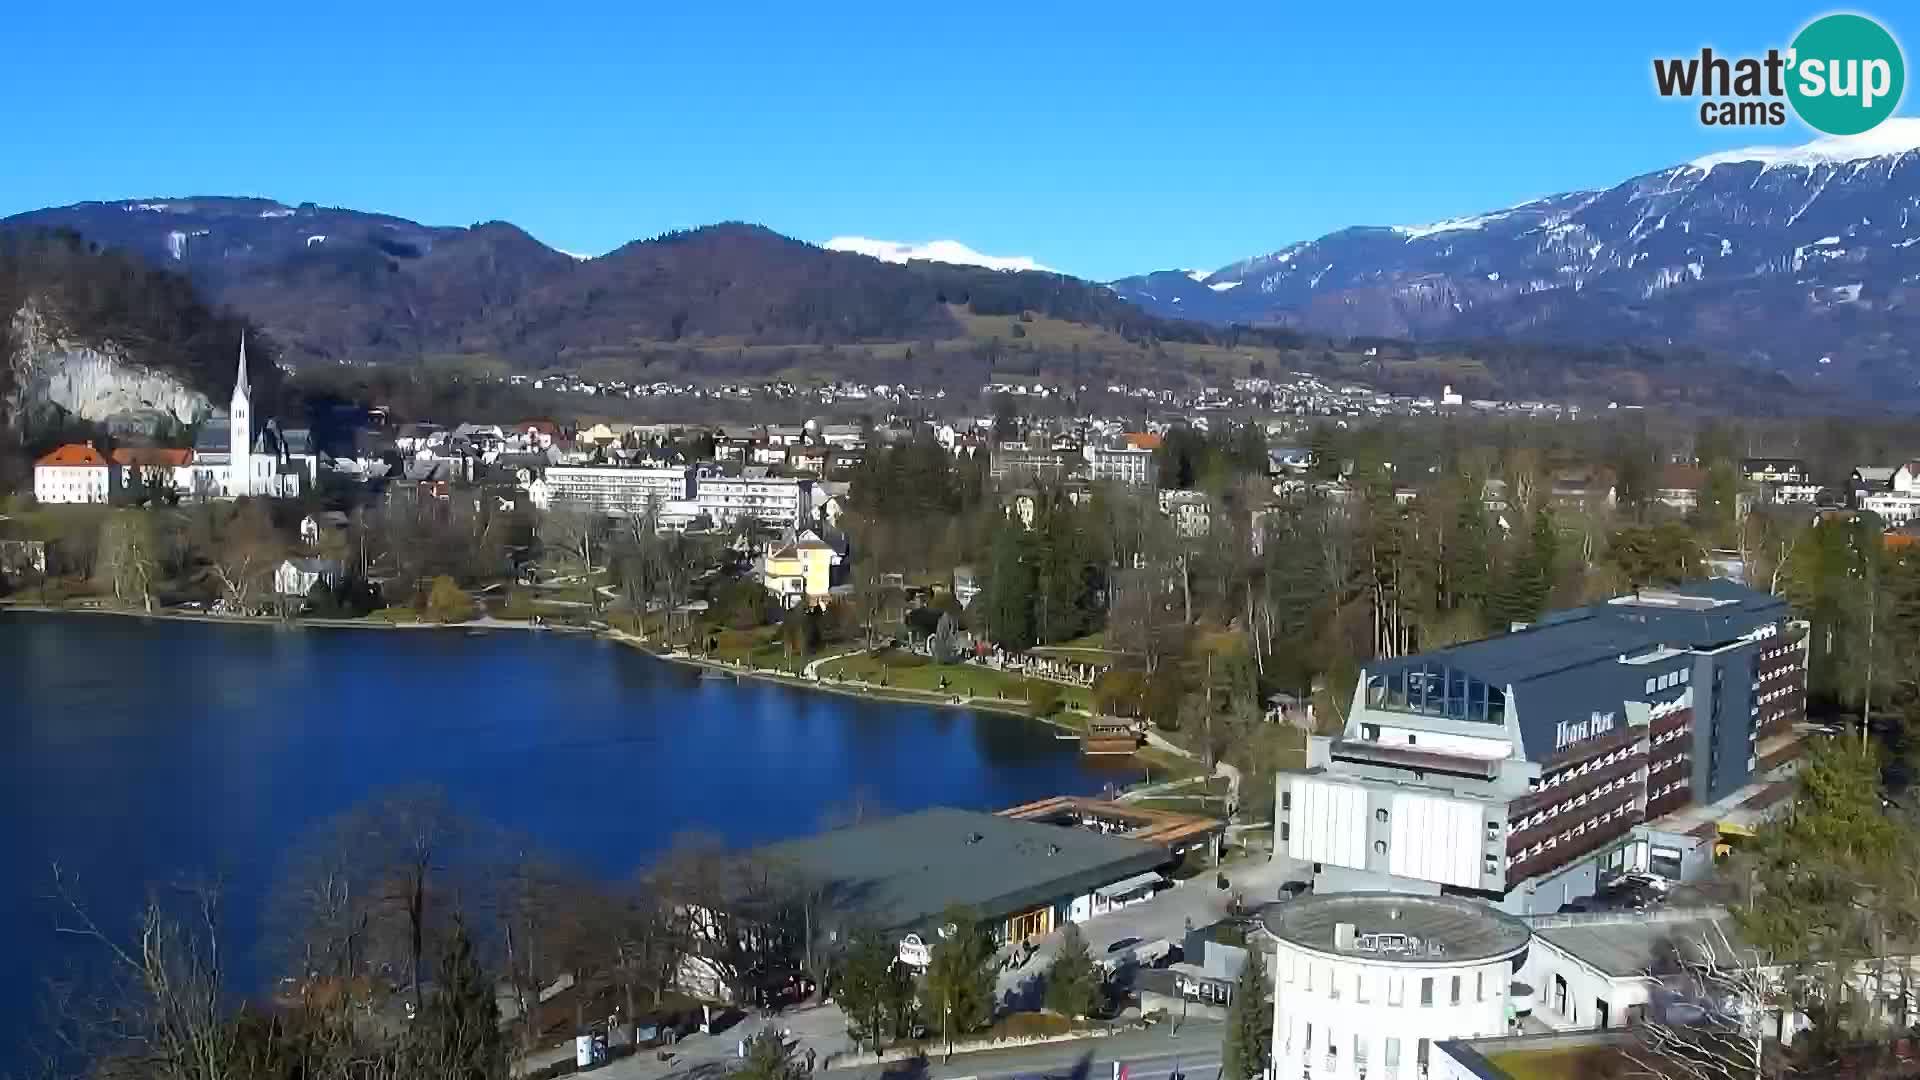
[1800, 260]
[339, 285]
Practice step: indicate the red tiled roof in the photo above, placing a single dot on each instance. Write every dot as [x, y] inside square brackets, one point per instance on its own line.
[1683, 478]
[74, 454]
[152, 455]
[1141, 441]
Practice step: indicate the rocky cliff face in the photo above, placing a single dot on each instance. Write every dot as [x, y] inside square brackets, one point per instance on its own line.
[54, 373]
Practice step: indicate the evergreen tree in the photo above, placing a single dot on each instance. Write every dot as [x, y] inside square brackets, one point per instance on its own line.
[770, 1058]
[1249, 1036]
[959, 990]
[1010, 588]
[1467, 555]
[1073, 980]
[1065, 572]
[458, 1031]
[874, 989]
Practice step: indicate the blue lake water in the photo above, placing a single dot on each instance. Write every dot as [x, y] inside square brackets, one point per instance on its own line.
[137, 753]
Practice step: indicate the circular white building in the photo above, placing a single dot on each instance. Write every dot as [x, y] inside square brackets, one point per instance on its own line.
[1365, 983]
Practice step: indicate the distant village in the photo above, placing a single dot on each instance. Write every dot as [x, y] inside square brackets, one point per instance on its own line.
[790, 481]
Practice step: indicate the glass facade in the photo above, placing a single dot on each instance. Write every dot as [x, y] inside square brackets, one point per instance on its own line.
[1430, 688]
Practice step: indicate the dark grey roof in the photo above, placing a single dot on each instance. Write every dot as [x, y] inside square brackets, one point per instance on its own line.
[1463, 930]
[1695, 614]
[214, 433]
[900, 873]
[1627, 945]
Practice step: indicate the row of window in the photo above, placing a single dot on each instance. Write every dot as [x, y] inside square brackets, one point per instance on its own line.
[1667, 681]
[1665, 789]
[1389, 1055]
[1776, 695]
[1667, 763]
[1590, 765]
[1542, 815]
[1313, 977]
[1570, 835]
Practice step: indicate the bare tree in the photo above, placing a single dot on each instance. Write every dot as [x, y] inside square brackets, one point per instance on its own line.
[1718, 1032]
[244, 553]
[129, 556]
[162, 1013]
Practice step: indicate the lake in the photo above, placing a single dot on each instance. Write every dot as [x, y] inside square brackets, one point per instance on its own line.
[136, 753]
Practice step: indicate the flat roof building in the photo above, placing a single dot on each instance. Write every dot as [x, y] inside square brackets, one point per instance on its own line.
[1023, 878]
[1517, 768]
[1366, 983]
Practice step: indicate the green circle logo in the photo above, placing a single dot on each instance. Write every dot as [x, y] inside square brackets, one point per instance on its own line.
[1847, 74]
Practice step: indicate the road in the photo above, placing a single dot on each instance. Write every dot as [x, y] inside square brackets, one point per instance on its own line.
[1154, 1054]
[1167, 916]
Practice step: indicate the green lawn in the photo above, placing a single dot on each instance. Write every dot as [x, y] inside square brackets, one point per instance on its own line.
[910, 672]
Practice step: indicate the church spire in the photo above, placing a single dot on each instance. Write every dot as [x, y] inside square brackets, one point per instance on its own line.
[240, 388]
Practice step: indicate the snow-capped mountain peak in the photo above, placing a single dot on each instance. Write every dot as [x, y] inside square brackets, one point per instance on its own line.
[1894, 136]
[1771, 254]
[941, 251]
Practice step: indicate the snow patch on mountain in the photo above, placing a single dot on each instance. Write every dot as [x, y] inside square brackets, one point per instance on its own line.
[1223, 286]
[941, 251]
[1896, 135]
[1199, 276]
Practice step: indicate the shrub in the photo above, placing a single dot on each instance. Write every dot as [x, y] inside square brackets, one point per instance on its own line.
[448, 602]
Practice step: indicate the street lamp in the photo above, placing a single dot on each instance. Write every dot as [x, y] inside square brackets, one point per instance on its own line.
[946, 1021]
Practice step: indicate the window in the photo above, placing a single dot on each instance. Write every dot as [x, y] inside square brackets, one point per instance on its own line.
[1360, 1050]
[1412, 739]
[1380, 815]
[1456, 990]
[1286, 800]
[1360, 988]
[1426, 990]
[1283, 832]
[1379, 847]
[1391, 1058]
[1480, 986]
[1308, 1044]
[1420, 1055]
[1396, 989]
[1370, 732]
[1650, 685]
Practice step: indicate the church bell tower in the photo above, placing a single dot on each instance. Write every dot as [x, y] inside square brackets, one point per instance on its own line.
[240, 430]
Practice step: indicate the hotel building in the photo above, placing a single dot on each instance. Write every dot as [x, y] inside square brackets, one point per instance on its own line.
[1526, 768]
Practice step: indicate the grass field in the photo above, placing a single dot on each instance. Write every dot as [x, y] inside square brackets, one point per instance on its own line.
[909, 672]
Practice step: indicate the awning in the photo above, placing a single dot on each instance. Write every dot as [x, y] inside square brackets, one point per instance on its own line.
[1127, 885]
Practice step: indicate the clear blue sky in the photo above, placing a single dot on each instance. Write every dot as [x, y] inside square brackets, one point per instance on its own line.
[1102, 139]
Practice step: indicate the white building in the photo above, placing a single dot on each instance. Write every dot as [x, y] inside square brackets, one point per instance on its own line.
[75, 473]
[1895, 509]
[297, 577]
[1121, 465]
[780, 501]
[612, 490]
[272, 463]
[1190, 511]
[1366, 983]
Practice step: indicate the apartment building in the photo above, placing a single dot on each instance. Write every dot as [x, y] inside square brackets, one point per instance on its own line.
[1121, 465]
[612, 490]
[1020, 463]
[1524, 769]
[780, 501]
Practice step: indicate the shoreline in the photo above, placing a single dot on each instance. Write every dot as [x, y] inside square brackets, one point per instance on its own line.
[861, 691]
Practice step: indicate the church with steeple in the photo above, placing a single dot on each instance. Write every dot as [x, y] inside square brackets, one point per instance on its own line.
[233, 457]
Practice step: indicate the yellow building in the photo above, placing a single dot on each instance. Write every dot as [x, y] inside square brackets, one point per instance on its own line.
[800, 572]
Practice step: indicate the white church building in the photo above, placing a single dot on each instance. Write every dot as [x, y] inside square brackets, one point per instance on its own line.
[232, 459]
